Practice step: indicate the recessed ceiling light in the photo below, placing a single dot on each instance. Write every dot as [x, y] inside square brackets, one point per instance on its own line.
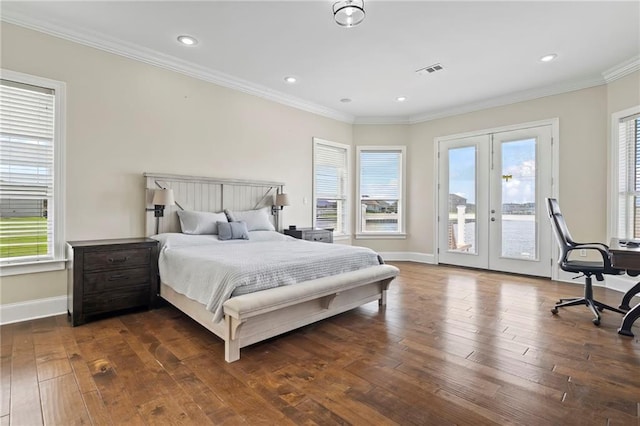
[345, 100]
[401, 98]
[187, 40]
[290, 79]
[549, 58]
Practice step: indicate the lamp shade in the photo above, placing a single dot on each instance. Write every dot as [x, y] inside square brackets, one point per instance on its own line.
[348, 13]
[282, 200]
[163, 197]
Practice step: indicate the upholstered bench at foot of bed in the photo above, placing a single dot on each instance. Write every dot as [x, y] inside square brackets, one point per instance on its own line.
[254, 317]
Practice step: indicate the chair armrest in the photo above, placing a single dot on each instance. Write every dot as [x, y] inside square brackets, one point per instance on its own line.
[593, 246]
[602, 245]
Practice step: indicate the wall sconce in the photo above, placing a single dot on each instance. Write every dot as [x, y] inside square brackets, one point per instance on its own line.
[281, 201]
[161, 198]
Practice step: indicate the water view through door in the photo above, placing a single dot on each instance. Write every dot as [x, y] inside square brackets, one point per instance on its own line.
[491, 193]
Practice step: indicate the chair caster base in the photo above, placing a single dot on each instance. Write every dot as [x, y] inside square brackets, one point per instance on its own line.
[596, 321]
[624, 332]
[554, 311]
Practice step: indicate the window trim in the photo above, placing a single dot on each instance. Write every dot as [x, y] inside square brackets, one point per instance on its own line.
[612, 219]
[401, 233]
[346, 234]
[59, 242]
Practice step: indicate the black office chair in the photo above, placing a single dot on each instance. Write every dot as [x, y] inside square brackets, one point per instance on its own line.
[585, 267]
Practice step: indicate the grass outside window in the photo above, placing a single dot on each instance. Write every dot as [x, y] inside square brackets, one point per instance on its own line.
[23, 236]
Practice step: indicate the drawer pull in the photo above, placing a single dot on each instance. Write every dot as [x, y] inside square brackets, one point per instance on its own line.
[117, 277]
[118, 260]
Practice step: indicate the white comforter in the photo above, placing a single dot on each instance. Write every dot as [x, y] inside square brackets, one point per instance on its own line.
[211, 271]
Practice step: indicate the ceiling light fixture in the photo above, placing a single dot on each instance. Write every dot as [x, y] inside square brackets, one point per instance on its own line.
[345, 100]
[549, 58]
[290, 79]
[348, 13]
[401, 98]
[187, 40]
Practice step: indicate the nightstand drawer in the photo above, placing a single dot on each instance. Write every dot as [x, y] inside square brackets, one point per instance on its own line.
[323, 237]
[105, 276]
[116, 259]
[109, 280]
[319, 235]
[108, 302]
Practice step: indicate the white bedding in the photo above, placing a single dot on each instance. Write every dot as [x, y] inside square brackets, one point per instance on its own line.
[211, 271]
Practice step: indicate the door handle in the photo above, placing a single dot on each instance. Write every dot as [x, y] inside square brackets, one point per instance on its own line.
[493, 219]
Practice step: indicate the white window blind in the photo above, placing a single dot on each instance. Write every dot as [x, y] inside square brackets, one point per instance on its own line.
[380, 189]
[331, 186]
[27, 120]
[628, 225]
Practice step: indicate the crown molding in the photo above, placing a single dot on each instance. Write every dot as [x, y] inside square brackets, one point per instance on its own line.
[622, 69]
[511, 98]
[171, 63]
[152, 57]
[400, 119]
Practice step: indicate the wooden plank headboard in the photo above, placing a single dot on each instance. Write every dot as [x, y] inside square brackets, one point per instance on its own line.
[206, 194]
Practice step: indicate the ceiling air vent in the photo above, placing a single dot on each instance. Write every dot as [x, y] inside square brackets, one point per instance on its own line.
[430, 69]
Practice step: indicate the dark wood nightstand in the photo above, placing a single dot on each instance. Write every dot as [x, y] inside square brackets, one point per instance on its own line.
[311, 234]
[105, 276]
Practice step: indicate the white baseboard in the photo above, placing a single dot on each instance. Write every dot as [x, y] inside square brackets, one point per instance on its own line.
[32, 309]
[41, 308]
[620, 283]
[407, 256]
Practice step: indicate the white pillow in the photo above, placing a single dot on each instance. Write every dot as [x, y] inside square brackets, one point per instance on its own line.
[196, 223]
[174, 239]
[269, 236]
[256, 220]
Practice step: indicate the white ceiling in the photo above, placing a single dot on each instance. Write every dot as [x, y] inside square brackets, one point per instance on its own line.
[490, 50]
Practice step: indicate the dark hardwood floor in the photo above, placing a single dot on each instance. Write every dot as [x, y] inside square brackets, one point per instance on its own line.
[453, 346]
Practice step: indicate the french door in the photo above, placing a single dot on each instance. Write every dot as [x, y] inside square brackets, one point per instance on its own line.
[491, 201]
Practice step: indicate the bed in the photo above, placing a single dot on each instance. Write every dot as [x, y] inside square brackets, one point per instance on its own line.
[249, 290]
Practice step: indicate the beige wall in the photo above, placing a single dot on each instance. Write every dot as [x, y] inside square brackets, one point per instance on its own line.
[583, 116]
[623, 93]
[583, 153]
[382, 135]
[125, 117]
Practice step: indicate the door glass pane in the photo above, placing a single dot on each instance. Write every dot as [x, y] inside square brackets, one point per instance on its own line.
[462, 200]
[519, 200]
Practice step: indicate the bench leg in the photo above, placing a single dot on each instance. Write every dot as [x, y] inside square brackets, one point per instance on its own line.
[232, 341]
[383, 298]
[232, 350]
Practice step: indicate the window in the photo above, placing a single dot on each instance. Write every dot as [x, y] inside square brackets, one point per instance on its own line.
[31, 144]
[626, 178]
[331, 186]
[380, 191]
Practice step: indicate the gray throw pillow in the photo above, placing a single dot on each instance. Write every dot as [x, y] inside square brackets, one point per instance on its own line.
[232, 231]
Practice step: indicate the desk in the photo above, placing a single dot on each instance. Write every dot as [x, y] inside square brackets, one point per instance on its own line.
[627, 258]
